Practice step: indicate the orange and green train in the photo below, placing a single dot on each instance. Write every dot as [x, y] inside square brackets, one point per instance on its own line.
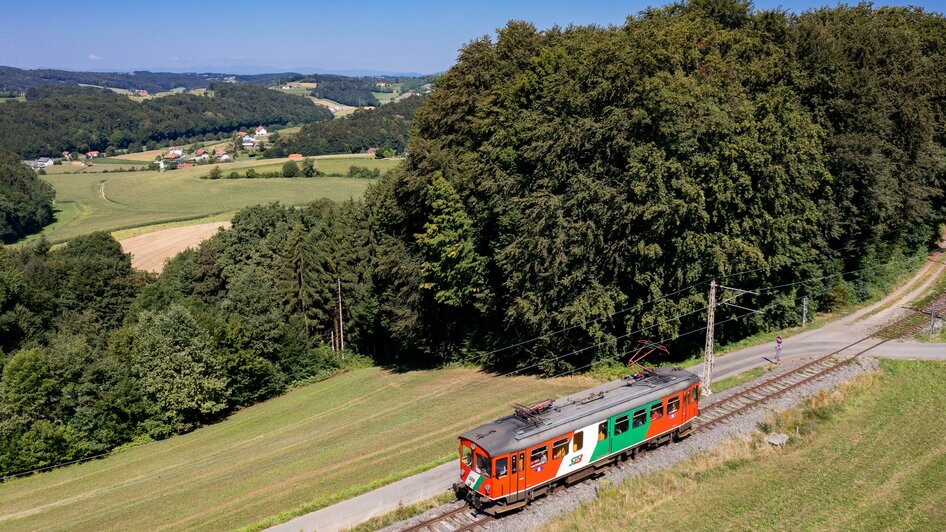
[506, 463]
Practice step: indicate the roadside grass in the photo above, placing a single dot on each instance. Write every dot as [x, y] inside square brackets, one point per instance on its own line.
[404, 512]
[868, 456]
[312, 446]
[91, 202]
[741, 378]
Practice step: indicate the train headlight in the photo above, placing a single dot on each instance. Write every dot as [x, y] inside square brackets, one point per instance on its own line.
[487, 489]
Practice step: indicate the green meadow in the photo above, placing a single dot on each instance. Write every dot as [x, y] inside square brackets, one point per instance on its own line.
[89, 199]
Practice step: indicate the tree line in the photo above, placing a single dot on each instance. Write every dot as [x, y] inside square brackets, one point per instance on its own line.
[54, 118]
[581, 181]
[387, 126]
[25, 201]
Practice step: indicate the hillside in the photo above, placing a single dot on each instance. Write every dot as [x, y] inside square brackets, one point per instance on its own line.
[330, 439]
[54, 119]
[385, 126]
[855, 466]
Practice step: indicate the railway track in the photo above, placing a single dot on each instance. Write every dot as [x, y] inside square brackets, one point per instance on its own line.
[462, 519]
[765, 391]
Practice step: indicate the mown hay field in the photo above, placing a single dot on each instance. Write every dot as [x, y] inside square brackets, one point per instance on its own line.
[312, 444]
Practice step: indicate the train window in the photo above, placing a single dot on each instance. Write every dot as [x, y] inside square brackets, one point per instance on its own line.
[696, 393]
[686, 399]
[673, 405]
[482, 465]
[559, 448]
[620, 425]
[640, 418]
[603, 431]
[538, 456]
[657, 411]
[501, 466]
[578, 441]
[466, 454]
[514, 470]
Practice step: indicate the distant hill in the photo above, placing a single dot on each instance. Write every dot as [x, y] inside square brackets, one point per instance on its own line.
[56, 118]
[386, 126]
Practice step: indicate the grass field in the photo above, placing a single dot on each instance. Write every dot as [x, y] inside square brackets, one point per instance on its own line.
[316, 443]
[94, 201]
[870, 457]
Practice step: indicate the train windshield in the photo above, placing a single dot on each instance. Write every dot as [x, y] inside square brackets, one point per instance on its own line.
[466, 454]
[482, 465]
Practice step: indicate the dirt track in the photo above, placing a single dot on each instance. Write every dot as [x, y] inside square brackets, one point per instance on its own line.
[150, 250]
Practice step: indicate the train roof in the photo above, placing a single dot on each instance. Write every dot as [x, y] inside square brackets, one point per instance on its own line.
[566, 414]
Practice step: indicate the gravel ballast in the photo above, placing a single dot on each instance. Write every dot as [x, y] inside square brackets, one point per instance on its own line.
[564, 500]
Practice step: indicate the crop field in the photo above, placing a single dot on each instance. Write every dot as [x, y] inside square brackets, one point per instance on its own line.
[872, 457]
[95, 201]
[318, 442]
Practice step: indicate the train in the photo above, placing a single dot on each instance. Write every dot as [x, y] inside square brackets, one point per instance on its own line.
[508, 462]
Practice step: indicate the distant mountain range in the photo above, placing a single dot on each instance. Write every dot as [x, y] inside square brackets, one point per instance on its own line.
[18, 80]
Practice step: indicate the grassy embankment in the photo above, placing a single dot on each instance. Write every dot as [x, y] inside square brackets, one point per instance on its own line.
[871, 456]
[312, 446]
[95, 201]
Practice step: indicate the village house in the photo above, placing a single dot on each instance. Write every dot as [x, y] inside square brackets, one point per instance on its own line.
[201, 155]
[43, 162]
[248, 141]
[91, 155]
[221, 155]
[372, 151]
[295, 155]
[176, 151]
[261, 131]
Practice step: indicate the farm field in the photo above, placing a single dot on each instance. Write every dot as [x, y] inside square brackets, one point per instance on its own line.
[329, 439]
[876, 460]
[95, 201]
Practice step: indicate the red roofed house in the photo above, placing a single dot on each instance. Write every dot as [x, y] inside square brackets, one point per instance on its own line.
[295, 155]
[241, 134]
[185, 165]
[371, 151]
[91, 154]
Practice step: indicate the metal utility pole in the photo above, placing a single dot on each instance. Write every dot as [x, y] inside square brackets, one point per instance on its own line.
[341, 320]
[804, 311]
[708, 353]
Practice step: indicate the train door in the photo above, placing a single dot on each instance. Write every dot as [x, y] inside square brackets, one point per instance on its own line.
[517, 473]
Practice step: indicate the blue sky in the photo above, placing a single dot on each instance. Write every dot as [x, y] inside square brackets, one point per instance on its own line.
[236, 35]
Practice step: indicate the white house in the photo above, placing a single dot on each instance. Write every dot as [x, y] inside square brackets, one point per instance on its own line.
[221, 155]
[261, 131]
[175, 151]
[44, 162]
[248, 141]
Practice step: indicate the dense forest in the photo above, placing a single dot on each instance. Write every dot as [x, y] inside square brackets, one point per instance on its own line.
[557, 177]
[54, 118]
[97, 354]
[573, 185]
[385, 126]
[26, 202]
[349, 91]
